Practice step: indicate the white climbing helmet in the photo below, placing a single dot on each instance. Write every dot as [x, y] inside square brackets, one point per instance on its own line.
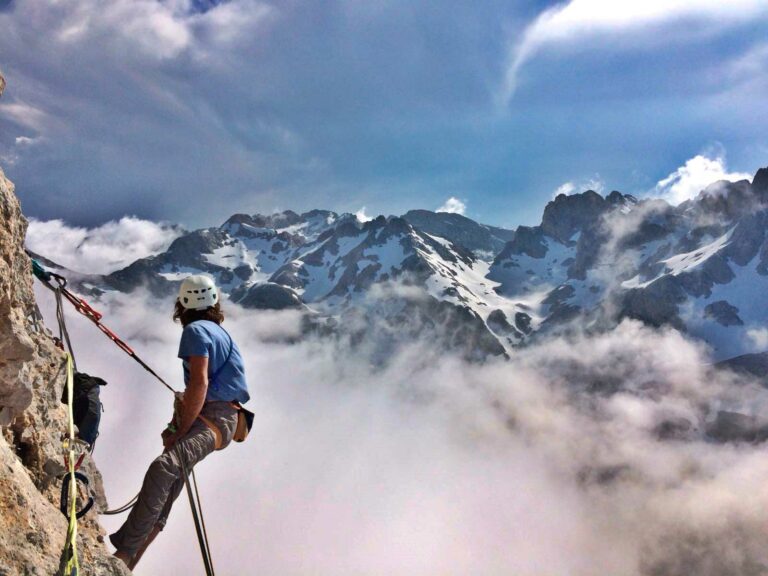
[198, 292]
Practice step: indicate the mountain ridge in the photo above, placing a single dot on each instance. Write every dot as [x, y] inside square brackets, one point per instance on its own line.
[592, 261]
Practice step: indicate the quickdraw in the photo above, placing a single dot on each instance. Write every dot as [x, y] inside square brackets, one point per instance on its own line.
[46, 277]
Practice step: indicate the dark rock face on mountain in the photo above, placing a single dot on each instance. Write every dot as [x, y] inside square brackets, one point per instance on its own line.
[729, 199]
[736, 427]
[760, 185]
[752, 364]
[267, 297]
[723, 313]
[566, 215]
[528, 241]
[657, 305]
[460, 230]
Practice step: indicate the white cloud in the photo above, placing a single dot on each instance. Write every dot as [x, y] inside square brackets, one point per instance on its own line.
[26, 141]
[362, 216]
[25, 115]
[233, 21]
[696, 174]
[453, 206]
[758, 337]
[360, 469]
[158, 30]
[565, 188]
[595, 183]
[578, 18]
[571, 187]
[752, 63]
[100, 250]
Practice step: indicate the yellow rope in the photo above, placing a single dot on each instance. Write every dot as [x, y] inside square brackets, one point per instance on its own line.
[70, 560]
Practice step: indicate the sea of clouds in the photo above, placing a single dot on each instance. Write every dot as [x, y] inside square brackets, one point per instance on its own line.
[580, 455]
[549, 463]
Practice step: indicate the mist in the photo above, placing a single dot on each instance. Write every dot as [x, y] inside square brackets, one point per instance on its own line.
[103, 249]
[557, 461]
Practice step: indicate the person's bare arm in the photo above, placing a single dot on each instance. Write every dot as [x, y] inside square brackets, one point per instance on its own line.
[194, 398]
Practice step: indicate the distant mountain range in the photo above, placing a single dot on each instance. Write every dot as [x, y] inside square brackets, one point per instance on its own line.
[700, 267]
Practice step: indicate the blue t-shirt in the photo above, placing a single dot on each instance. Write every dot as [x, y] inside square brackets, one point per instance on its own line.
[206, 338]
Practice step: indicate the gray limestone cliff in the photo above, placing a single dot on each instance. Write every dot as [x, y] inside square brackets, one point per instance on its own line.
[33, 421]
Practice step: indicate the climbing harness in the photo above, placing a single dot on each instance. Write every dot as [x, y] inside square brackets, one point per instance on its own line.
[69, 562]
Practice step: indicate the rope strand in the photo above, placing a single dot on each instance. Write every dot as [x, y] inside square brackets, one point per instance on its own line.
[201, 536]
[69, 556]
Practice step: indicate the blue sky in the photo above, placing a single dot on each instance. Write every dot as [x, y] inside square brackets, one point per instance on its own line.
[190, 111]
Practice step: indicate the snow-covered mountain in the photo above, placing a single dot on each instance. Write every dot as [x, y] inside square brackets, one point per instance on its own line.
[701, 267]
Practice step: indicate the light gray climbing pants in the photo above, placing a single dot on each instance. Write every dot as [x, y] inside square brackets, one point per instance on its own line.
[164, 479]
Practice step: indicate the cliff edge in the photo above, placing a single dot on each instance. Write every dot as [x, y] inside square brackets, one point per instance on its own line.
[33, 421]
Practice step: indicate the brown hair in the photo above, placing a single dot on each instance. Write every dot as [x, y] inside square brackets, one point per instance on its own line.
[186, 316]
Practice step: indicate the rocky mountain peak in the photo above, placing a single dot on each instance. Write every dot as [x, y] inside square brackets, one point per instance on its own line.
[616, 198]
[459, 229]
[566, 215]
[760, 184]
[728, 199]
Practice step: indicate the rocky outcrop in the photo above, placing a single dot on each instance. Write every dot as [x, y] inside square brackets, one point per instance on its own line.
[267, 296]
[499, 325]
[723, 313]
[460, 230]
[32, 530]
[751, 364]
[16, 346]
[566, 215]
[656, 305]
[736, 427]
[760, 184]
[729, 199]
[528, 240]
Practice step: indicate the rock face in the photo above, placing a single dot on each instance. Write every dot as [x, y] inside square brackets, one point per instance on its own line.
[460, 230]
[267, 297]
[566, 215]
[32, 530]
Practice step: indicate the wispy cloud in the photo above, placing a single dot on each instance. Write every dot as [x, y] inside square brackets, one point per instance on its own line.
[758, 337]
[696, 174]
[161, 30]
[572, 187]
[453, 206]
[25, 115]
[362, 216]
[579, 18]
[99, 250]
[565, 188]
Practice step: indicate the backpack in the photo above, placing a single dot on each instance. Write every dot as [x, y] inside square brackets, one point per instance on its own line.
[86, 406]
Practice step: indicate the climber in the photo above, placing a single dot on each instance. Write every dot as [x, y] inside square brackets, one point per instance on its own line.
[205, 417]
